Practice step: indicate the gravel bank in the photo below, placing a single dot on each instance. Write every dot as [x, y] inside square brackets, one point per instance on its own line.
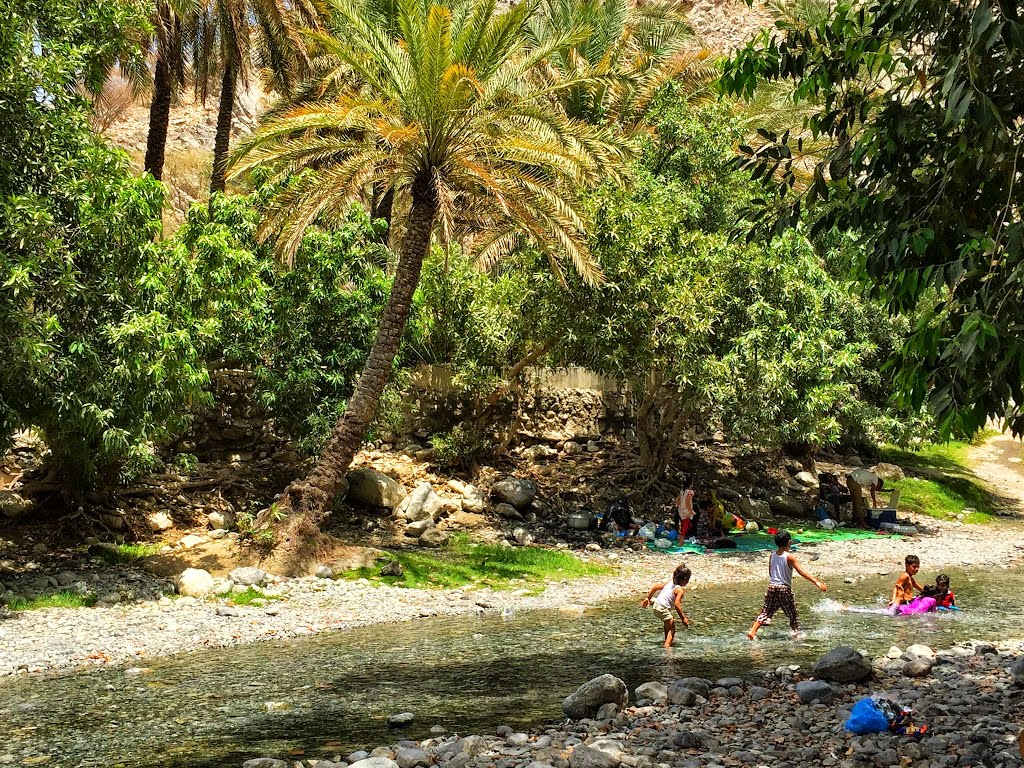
[969, 696]
[144, 625]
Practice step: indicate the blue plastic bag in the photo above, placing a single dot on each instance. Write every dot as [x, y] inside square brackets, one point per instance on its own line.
[866, 717]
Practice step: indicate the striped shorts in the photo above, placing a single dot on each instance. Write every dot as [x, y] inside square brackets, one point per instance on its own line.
[776, 598]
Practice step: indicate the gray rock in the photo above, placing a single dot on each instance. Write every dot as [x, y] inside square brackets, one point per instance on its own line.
[409, 757]
[698, 685]
[984, 649]
[355, 757]
[588, 757]
[391, 568]
[787, 505]
[756, 509]
[159, 521]
[806, 479]
[249, 576]
[686, 740]
[918, 651]
[64, 578]
[422, 504]
[265, 762]
[473, 499]
[758, 693]
[728, 682]
[222, 521]
[653, 691]
[522, 537]
[324, 572]
[1017, 670]
[400, 719]
[918, 667]
[194, 582]
[508, 511]
[227, 610]
[607, 711]
[679, 693]
[419, 527]
[588, 698]
[375, 762]
[370, 488]
[434, 537]
[842, 665]
[517, 491]
[811, 690]
[471, 746]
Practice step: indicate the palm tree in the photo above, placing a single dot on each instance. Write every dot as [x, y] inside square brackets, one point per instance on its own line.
[229, 38]
[169, 75]
[448, 115]
[629, 51]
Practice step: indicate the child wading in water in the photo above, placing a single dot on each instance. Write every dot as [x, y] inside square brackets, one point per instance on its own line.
[669, 596]
[781, 565]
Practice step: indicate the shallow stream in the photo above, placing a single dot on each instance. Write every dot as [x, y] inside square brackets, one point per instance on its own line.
[326, 695]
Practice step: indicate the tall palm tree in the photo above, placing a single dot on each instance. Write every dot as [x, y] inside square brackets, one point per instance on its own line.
[229, 38]
[449, 114]
[169, 76]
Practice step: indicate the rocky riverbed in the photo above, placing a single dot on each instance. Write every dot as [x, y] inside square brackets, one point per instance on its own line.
[135, 620]
[969, 696]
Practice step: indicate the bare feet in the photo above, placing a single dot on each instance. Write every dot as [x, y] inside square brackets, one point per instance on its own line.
[751, 636]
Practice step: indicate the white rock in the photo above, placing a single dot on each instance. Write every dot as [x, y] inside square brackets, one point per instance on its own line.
[194, 582]
[159, 521]
[221, 520]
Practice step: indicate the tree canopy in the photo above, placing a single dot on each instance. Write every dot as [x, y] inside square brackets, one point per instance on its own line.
[920, 103]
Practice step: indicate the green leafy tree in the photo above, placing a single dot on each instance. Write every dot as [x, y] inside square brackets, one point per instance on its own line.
[449, 117]
[95, 354]
[305, 331]
[920, 104]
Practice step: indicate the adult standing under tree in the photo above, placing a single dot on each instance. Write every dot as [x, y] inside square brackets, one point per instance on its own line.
[456, 114]
[684, 508]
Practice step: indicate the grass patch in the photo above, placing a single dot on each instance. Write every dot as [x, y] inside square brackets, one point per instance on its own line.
[948, 486]
[945, 498]
[463, 563]
[246, 598]
[126, 553]
[65, 599]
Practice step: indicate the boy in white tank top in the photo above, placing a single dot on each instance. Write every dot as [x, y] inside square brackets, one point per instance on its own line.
[781, 565]
[669, 596]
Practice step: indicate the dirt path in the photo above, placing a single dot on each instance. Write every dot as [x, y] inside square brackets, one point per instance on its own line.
[997, 462]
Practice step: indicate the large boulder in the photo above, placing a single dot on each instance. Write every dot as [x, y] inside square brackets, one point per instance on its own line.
[842, 665]
[194, 582]
[888, 472]
[784, 504]
[517, 491]
[756, 509]
[368, 487]
[588, 698]
[421, 504]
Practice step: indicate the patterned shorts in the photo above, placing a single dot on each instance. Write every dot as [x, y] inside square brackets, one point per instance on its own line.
[777, 598]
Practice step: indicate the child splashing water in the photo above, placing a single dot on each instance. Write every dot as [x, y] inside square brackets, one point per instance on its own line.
[781, 565]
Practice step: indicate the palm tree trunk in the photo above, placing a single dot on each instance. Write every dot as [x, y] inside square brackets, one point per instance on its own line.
[159, 118]
[313, 496]
[223, 140]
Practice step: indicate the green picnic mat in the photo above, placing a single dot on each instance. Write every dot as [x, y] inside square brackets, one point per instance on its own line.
[757, 542]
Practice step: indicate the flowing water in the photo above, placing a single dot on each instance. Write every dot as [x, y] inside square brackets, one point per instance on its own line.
[330, 694]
